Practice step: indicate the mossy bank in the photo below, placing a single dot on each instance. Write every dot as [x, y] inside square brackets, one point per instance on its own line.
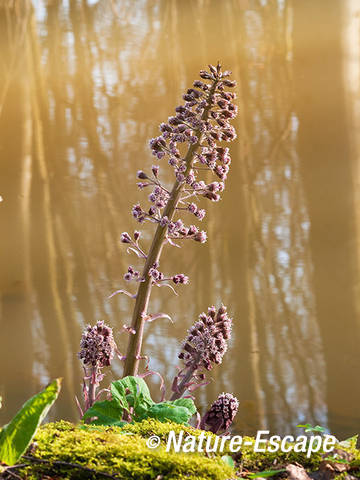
[62, 450]
[119, 452]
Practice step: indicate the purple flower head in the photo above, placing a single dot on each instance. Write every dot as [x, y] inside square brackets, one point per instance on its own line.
[180, 278]
[131, 274]
[97, 345]
[155, 170]
[200, 237]
[230, 83]
[179, 224]
[125, 238]
[141, 175]
[138, 213]
[200, 214]
[193, 230]
[155, 274]
[206, 75]
[164, 127]
[164, 221]
[173, 161]
[192, 207]
[152, 210]
[221, 413]
[159, 197]
[206, 342]
[180, 177]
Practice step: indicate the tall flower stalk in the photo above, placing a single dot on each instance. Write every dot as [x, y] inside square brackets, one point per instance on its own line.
[189, 141]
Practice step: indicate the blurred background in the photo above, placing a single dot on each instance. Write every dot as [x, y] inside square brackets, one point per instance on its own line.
[84, 85]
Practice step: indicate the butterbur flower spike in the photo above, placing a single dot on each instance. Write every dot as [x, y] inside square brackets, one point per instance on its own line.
[189, 142]
[97, 348]
[97, 345]
[204, 346]
[206, 342]
[221, 413]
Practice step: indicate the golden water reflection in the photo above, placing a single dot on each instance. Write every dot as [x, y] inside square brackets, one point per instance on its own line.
[84, 85]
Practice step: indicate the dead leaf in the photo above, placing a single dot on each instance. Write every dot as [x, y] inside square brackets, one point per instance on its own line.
[297, 472]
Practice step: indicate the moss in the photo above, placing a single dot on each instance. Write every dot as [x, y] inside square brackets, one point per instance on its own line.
[123, 452]
[266, 460]
[119, 452]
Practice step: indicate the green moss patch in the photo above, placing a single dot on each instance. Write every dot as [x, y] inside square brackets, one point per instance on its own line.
[120, 452]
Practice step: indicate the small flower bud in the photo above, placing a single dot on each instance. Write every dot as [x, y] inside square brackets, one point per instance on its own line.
[230, 83]
[200, 214]
[193, 230]
[200, 237]
[164, 221]
[125, 238]
[180, 278]
[142, 175]
[206, 75]
[155, 170]
[192, 207]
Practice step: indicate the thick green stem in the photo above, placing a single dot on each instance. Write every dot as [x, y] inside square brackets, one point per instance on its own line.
[133, 353]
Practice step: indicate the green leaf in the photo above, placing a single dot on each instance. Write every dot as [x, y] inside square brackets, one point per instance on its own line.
[141, 406]
[139, 397]
[132, 392]
[228, 460]
[108, 412]
[336, 459]
[138, 388]
[310, 428]
[187, 403]
[266, 473]
[167, 411]
[17, 435]
[118, 394]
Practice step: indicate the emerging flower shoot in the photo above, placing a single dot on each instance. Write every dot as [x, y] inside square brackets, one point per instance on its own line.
[97, 349]
[221, 413]
[204, 346]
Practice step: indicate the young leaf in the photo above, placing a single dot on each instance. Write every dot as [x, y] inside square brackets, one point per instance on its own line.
[118, 393]
[336, 459]
[139, 397]
[228, 460]
[309, 428]
[108, 412]
[16, 435]
[265, 473]
[141, 407]
[137, 386]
